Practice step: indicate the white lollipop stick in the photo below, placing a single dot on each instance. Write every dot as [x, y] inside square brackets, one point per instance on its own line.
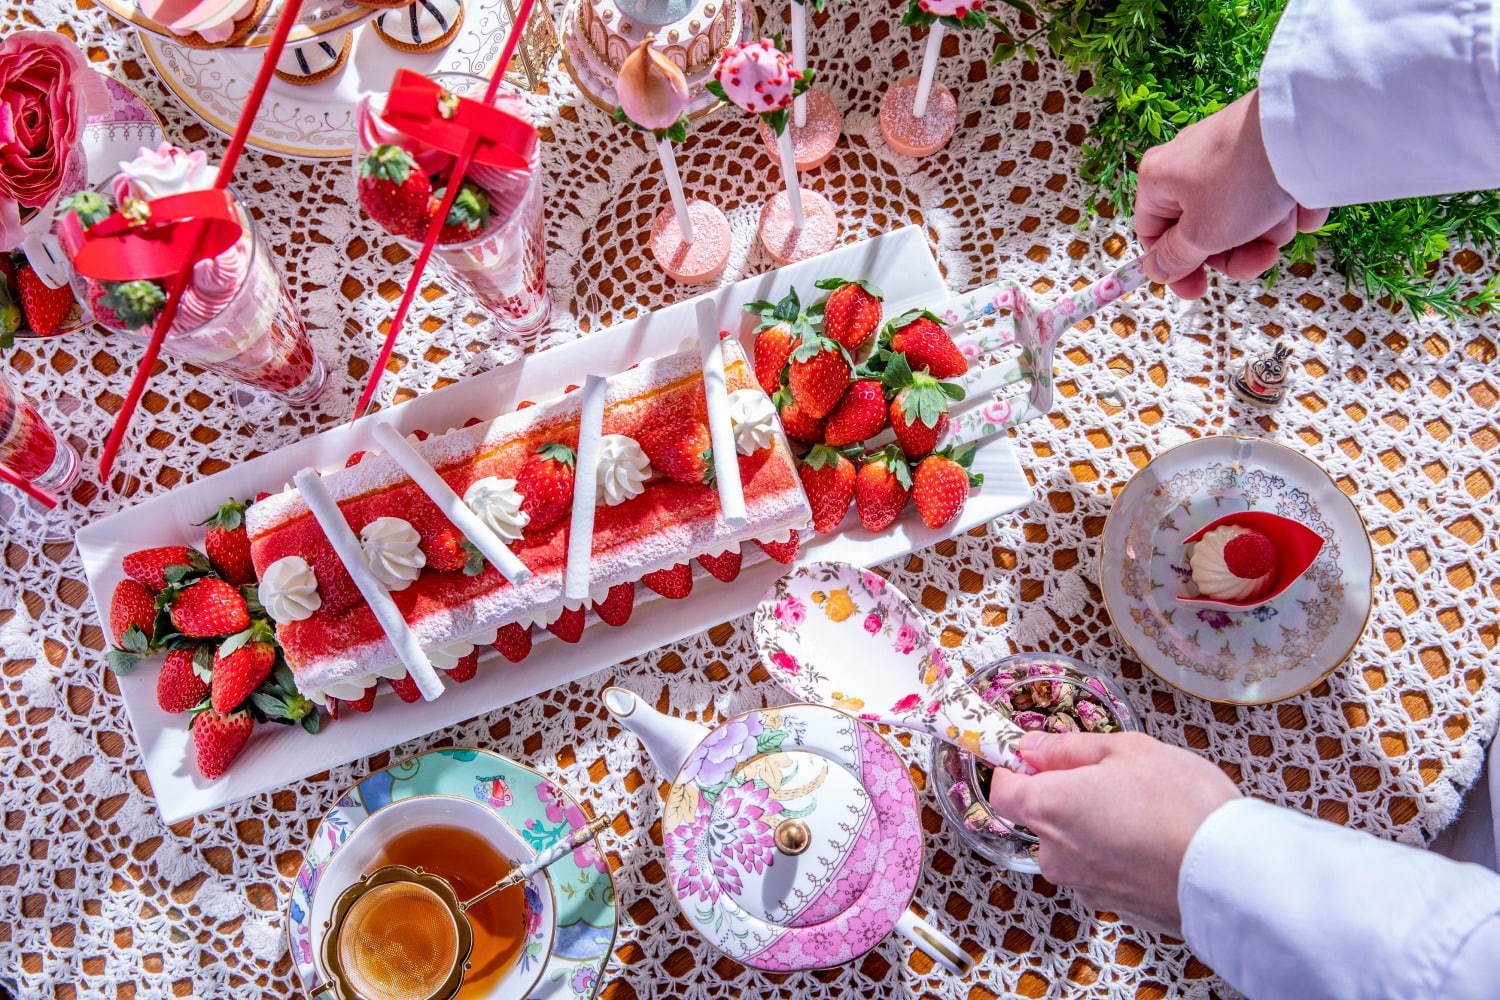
[789, 171]
[674, 185]
[720, 427]
[799, 58]
[346, 546]
[585, 487]
[930, 58]
[449, 502]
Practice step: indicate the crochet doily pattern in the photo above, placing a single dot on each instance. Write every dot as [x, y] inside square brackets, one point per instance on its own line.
[102, 900]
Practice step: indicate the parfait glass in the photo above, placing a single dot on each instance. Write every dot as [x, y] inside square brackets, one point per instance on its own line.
[30, 448]
[236, 319]
[505, 266]
[963, 781]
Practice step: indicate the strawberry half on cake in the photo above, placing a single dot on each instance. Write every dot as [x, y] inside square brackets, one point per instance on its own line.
[656, 509]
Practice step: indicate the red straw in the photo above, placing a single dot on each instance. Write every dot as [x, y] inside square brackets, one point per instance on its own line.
[455, 181]
[36, 493]
[284, 22]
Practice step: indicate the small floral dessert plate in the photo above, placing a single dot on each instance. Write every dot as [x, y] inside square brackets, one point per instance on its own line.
[1268, 653]
[538, 810]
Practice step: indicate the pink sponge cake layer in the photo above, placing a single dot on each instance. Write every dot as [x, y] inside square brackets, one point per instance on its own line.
[667, 524]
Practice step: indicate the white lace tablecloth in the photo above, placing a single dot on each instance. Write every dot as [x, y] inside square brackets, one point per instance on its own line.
[101, 900]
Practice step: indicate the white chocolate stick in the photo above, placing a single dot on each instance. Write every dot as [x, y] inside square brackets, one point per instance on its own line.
[346, 546]
[720, 427]
[585, 487]
[674, 185]
[449, 502]
[799, 58]
[929, 68]
[789, 171]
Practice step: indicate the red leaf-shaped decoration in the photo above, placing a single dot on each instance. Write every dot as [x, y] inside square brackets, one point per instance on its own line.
[1296, 545]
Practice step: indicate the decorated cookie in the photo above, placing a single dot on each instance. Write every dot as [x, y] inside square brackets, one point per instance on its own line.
[421, 25]
[312, 63]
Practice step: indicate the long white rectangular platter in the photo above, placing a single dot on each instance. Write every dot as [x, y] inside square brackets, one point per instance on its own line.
[899, 262]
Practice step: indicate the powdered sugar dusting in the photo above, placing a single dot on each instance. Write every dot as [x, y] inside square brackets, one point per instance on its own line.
[786, 244]
[905, 132]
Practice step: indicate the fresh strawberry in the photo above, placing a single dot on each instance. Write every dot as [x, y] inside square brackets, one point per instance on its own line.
[466, 668]
[179, 687]
[568, 626]
[131, 606]
[851, 312]
[514, 641]
[448, 551]
[227, 545]
[129, 305]
[860, 414]
[781, 325]
[919, 415]
[680, 449]
[364, 703]
[828, 478]
[355, 459]
[406, 688]
[394, 192]
[920, 336]
[795, 421]
[45, 307]
[818, 375]
[208, 607]
[218, 739]
[674, 583]
[243, 661]
[545, 483]
[881, 488]
[784, 551]
[90, 207]
[941, 482]
[149, 566]
[617, 604]
[725, 566]
[419, 434]
[468, 216]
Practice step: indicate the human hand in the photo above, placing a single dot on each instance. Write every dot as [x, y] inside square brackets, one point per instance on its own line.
[1209, 198]
[1115, 813]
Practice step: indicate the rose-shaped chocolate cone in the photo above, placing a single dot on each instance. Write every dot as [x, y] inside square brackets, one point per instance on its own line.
[653, 92]
[47, 91]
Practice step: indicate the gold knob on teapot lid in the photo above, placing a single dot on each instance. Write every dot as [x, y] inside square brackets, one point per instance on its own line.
[792, 837]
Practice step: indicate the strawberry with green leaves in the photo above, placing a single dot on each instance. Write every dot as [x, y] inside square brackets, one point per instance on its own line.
[680, 449]
[828, 478]
[860, 415]
[132, 624]
[227, 544]
[881, 488]
[921, 337]
[799, 426]
[545, 483]
[941, 483]
[468, 216]
[149, 567]
[852, 311]
[919, 409]
[205, 608]
[182, 683]
[131, 305]
[776, 335]
[818, 374]
[242, 663]
[393, 191]
[218, 739]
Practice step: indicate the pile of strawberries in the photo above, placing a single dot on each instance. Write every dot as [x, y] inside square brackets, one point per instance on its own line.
[396, 193]
[29, 303]
[222, 663]
[833, 405]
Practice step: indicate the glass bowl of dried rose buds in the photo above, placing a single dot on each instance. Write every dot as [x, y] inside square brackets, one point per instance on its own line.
[1045, 691]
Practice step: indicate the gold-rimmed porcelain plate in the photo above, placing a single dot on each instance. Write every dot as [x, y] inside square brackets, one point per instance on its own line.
[317, 18]
[1265, 654]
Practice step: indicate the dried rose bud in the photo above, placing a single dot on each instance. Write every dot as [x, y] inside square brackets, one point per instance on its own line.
[1041, 670]
[1095, 685]
[959, 794]
[1061, 722]
[995, 692]
[1041, 693]
[1029, 721]
[1093, 717]
[1021, 698]
[1063, 696]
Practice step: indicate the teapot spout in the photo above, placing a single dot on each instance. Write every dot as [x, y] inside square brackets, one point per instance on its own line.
[668, 738]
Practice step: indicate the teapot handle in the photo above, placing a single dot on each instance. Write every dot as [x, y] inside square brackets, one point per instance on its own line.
[934, 942]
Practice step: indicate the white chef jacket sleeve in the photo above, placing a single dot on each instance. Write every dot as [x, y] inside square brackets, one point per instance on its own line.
[1368, 100]
[1285, 905]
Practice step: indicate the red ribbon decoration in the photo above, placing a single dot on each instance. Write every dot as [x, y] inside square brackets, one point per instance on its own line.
[181, 230]
[416, 106]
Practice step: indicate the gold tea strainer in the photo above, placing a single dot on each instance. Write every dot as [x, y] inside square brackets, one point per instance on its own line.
[402, 933]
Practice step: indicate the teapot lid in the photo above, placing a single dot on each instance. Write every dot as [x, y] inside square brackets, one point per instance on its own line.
[792, 836]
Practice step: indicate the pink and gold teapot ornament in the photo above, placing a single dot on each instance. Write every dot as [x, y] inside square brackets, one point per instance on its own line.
[792, 834]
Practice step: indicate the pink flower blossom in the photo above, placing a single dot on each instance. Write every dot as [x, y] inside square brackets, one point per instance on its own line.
[786, 663]
[997, 411]
[790, 611]
[872, 623]
[906, 704]
[906, 639]
[1108, 290]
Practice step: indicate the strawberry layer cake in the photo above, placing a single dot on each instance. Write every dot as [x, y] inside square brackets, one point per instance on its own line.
[657, 508]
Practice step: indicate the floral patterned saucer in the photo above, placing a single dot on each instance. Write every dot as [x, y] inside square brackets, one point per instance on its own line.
[1268, 653]
[540, 811]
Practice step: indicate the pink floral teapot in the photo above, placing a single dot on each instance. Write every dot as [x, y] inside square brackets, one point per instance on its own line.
[792, 834]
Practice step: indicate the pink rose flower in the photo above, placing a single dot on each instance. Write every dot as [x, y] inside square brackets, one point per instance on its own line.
[906, 639]
[786, 663]
[997, 412]
[872, 623]
[1108, 290]
[790, 611]
[906, 704]
[46, 93]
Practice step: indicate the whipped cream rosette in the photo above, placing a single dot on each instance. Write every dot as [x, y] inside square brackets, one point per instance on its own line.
[1243, 560]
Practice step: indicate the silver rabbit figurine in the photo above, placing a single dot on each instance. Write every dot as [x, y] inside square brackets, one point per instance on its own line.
[1263, 381]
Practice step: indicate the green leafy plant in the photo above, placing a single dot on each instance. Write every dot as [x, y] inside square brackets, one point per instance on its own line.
[1159, 66]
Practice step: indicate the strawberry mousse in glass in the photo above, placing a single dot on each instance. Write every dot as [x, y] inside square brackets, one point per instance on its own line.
[31, 449]
[494, 243]
[236, 317]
